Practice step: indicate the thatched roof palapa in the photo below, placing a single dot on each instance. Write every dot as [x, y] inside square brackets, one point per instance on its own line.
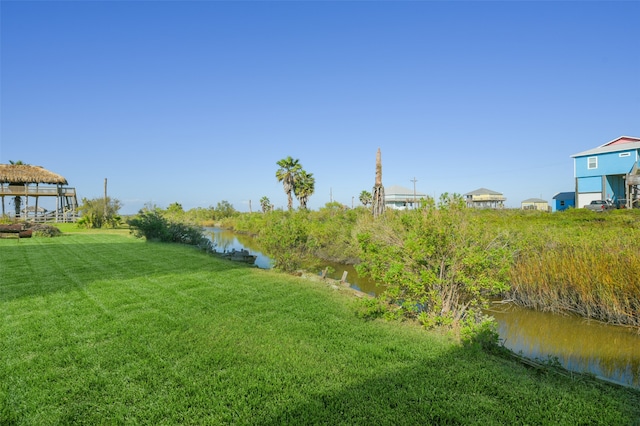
[26, 173]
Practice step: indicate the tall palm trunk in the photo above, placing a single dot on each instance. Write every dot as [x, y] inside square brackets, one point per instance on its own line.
[17, 201]
[378, 189]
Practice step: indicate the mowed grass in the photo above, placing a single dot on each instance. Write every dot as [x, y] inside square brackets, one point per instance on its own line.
[101, 328]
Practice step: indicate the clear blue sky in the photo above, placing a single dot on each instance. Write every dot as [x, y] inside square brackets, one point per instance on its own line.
[195, 102]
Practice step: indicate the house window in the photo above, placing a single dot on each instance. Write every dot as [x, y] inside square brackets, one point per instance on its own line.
[561, 203]
[624, 154]
[592, 162]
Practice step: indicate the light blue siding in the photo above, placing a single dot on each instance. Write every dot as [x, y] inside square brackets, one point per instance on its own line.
[590, 184]
[614, 189]
[610, 163]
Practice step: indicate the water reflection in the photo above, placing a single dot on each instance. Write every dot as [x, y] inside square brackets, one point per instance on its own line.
[226, 241]
[365, 285]
[580, 345]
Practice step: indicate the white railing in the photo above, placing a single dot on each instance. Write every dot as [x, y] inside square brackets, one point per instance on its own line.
[43, 217]
[486, 197]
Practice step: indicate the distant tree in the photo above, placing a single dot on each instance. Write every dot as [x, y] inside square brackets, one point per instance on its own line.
[175, 208]
[201, 215]
[94, 213]
[224, 209]
[287, 173]
[365, 198]
[304, 187]
[451, 200]
[265, 204]
[175, 212]
[149, 206]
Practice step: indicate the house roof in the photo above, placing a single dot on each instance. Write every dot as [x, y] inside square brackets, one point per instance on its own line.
[565, 196]
[398, 190]
[483, 191]
[534, 200]
[26, 173]
[623, 143]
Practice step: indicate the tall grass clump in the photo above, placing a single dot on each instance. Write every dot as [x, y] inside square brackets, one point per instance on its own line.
[593, 272]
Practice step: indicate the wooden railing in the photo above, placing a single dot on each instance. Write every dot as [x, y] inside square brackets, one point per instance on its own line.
[39, 191]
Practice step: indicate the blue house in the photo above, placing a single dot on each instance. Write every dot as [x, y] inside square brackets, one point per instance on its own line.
[564, 200]
[608, 172]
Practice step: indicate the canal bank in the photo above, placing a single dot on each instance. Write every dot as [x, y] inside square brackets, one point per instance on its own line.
[579, 345]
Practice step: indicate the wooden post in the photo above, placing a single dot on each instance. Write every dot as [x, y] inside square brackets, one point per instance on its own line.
[344, 277]
[105, 198]
[35, 213]
[58, 202]
[26, 201]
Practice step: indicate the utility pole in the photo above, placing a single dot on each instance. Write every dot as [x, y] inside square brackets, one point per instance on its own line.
[414, 180]
[105, 197]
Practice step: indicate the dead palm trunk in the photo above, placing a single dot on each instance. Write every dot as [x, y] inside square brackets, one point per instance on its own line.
[17, 201]
[378, 189]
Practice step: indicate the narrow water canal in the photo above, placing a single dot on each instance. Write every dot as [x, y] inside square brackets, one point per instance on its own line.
[609, 352]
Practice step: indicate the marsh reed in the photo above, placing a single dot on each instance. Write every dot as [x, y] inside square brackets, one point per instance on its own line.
[593, 272]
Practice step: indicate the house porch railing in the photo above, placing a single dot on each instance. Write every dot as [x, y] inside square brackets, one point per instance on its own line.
[36, 191]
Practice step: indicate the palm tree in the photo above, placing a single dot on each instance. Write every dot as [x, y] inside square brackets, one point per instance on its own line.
[365, 198]
[287, 173]
[265, 204]
[304, 187]
[17, 201]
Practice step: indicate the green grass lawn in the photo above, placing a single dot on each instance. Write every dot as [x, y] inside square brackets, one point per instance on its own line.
[101, 328]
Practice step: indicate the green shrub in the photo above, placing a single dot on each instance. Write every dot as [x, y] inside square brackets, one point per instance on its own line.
[153, 226]
[99, 212]
[439, 264]
[480, 331]
[43, 230]
[370, 308]
[286, 240]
